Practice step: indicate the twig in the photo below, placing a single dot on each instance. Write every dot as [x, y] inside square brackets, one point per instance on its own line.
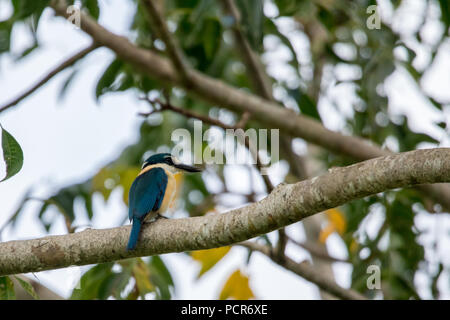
[67, 63]
[317, 251]
[163, 106]
[244, 119]
[258, 77]
[306, 271]
[163, 32]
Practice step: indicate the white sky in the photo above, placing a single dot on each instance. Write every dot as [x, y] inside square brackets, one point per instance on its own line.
[67, 141]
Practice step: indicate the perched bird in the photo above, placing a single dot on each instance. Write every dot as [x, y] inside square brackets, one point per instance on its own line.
[153, 191]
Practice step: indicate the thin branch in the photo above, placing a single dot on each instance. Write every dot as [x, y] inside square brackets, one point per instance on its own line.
[163, 32]
[163, 106]
[217, 92]
[307, 271]
[65, 64]
[287, 204]
[317, 251]
[256, 71]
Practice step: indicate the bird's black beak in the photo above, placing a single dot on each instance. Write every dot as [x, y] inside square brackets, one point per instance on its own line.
[187, 168]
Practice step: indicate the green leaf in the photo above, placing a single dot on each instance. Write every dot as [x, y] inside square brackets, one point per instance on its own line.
[211, 37]
[114, 284]
[141, 274]
[5, 37]
[12, 154]
[445, 13]
[25, 8]
[28, 50]
[66, 84]
[201, 10]
[7, 289]
[435, 103]
[252, 17]
[92, 7]
[160, 277]
[27, 287]
[92, 281]
[305, 103]
[108, 78]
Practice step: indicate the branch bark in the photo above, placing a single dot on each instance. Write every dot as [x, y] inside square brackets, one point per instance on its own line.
[287, 204]
[217, 92]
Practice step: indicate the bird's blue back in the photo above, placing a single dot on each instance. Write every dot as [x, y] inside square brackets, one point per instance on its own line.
[146, 195]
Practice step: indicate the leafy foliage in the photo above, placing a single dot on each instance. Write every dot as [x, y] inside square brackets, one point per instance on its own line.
[337, 37]
[7, 288]
[111, 280]
[27, 287]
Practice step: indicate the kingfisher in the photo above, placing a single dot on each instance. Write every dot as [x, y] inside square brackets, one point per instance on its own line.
[153, 191]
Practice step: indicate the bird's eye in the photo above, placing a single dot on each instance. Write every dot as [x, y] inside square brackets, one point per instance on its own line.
[168, 160]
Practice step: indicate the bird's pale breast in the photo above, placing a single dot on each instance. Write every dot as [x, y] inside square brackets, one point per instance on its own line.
[169, 196]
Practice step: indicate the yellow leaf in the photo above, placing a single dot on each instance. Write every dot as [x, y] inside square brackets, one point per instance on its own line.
[337, 218]
[237, 287]
[98, 182]
[109, 178]
[324, 233]
[141, 274]
[337, 223]
[127, 177]
[208, 258]
[353, 245]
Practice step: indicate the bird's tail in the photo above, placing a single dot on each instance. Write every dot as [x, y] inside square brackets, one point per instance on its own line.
[134, 235]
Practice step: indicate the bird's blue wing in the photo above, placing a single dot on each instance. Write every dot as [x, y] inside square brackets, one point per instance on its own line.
[147, 193]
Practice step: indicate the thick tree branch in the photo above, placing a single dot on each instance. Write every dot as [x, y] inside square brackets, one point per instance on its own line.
[287, 204]
[217, 92]
[307, 271]
[65, 64]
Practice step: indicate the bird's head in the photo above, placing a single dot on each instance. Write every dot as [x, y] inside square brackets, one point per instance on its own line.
[171, 161]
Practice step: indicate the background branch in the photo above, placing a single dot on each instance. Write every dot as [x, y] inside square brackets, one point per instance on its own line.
[163, 32]
[307, 271]
[65, 64]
